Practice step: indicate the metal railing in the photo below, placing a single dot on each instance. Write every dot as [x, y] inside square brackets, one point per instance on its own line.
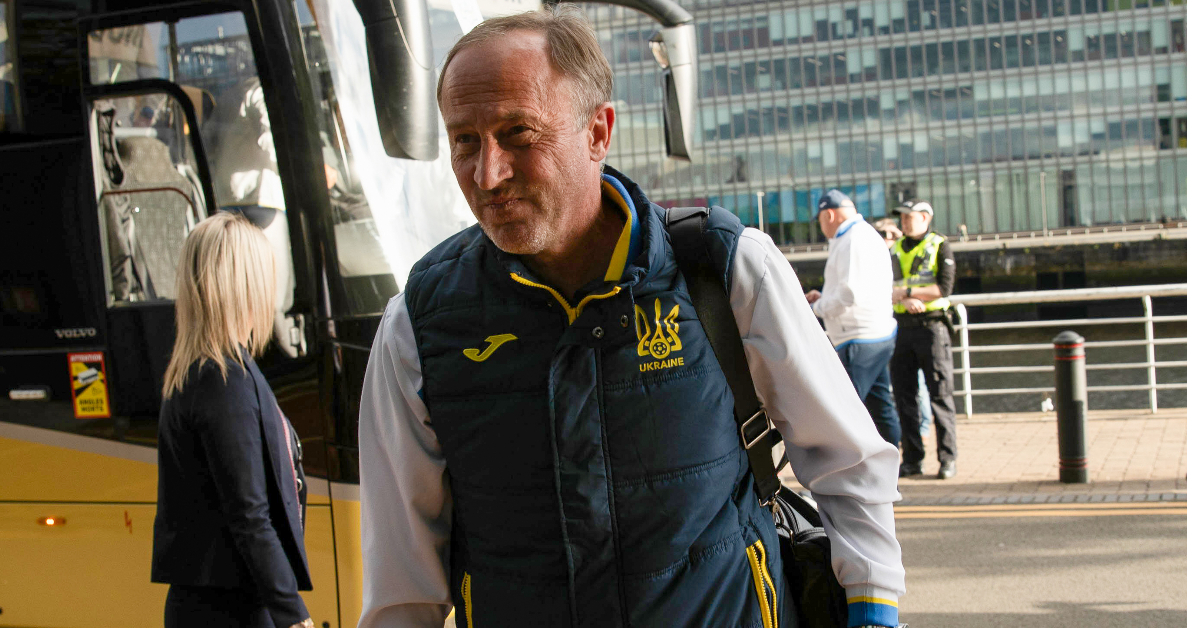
[1148, 319]
[1059, 236]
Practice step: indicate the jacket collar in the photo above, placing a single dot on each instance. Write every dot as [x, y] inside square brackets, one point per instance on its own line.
[629, 245]
[845, 226]
[647, 254]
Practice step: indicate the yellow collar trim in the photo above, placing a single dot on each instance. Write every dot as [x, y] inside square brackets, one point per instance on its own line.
[616, 266]
[572, 312]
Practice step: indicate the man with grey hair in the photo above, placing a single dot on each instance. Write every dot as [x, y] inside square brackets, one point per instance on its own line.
[546, 437]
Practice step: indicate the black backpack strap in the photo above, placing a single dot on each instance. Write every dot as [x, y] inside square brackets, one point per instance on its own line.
[685, 225]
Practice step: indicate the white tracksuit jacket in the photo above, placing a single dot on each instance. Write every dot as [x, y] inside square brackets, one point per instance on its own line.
[856, 301]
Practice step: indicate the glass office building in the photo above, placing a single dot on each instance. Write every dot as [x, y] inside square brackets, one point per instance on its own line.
[1005, 114]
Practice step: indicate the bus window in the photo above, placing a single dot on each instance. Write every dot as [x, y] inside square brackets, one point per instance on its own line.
[9, 120]
[128, 53]
[214, 65]
[149, 196]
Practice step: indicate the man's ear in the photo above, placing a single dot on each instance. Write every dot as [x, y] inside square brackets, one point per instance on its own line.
[600, 131]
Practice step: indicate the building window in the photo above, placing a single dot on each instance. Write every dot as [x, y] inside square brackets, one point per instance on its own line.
[1060, 46]
[917, 58]
[1011, 52]
[1110, 46]
[1094, 52]
[995, 54]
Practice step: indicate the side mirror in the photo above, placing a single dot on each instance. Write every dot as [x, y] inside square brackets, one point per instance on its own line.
[675, 50]
[400, 54]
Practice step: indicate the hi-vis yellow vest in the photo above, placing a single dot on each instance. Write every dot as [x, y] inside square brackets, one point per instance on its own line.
[919, 268]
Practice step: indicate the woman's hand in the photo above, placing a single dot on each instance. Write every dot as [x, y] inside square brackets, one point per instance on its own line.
[307, 623]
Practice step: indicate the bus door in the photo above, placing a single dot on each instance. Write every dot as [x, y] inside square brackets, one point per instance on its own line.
[176, 128]
[181, 127]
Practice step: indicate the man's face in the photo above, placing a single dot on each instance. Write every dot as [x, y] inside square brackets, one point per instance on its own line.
[825, 218]
[517, 151]
[914, 224]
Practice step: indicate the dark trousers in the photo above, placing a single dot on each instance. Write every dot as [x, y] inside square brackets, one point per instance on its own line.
[926, 348]
[211, 607]
[867, 365]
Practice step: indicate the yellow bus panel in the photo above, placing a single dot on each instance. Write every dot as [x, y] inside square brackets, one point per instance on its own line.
[76, 532]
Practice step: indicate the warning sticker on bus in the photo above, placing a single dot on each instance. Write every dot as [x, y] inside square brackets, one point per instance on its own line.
[89, 385]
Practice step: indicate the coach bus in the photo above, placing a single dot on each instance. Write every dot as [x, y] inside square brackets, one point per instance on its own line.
[125, 122]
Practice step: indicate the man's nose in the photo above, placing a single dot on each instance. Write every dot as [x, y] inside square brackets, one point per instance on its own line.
[494, 167]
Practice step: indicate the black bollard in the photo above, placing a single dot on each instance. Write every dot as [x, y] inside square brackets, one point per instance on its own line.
[1070, 384]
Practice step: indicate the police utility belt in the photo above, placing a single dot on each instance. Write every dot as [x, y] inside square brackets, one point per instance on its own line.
[927, 320]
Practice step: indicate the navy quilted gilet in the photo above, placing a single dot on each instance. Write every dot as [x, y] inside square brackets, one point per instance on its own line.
[595, 470]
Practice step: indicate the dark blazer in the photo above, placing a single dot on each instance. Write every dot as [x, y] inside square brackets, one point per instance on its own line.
[228, 510]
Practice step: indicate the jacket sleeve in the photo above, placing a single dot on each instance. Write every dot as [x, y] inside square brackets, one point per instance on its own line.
[404, 487]
[947, 269]
[833, 445]
[229, 423]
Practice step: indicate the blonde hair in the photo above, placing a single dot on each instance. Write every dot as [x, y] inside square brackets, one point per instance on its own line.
[225, 291]
[571, 45]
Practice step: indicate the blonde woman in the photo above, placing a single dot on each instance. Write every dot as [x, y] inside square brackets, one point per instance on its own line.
[229, 535]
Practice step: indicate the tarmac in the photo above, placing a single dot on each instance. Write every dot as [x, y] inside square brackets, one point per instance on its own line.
[1133, 456]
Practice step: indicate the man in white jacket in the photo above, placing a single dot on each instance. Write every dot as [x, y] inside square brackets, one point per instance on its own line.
[856, 306]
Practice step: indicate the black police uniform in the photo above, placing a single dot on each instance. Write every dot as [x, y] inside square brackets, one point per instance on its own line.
[923, 342]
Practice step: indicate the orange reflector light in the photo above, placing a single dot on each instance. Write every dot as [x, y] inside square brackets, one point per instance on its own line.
[52, 521]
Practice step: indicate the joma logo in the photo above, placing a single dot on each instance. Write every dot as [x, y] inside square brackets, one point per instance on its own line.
[76, 332]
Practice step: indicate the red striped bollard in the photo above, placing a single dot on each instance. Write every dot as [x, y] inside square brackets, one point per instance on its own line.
[1070, 383]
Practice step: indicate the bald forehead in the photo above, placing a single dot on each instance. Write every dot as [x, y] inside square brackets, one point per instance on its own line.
[521, 50]
[505, 79]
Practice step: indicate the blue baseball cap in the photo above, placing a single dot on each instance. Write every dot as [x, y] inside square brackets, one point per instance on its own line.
[834, 199]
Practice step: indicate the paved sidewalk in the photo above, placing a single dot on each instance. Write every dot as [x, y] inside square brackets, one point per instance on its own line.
[1013, 458]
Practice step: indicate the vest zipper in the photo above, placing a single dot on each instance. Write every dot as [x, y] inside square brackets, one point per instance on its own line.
[768, 600]
[466, 596]
[572, 312]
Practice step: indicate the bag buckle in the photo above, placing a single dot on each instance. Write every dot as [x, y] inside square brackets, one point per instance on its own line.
[746, 442]
[772, 502]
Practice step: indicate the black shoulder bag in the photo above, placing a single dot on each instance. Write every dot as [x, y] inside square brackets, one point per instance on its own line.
[820, 599]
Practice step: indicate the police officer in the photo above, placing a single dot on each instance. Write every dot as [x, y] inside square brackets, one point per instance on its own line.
[923, 270]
